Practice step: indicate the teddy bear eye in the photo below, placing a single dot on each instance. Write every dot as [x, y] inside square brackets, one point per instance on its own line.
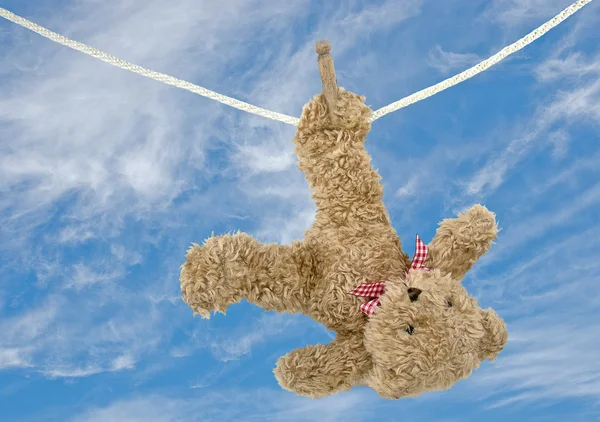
[448, 303]
[410, 330]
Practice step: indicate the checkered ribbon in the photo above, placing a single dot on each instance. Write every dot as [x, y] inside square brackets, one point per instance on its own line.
[374, 290]
[418, 261]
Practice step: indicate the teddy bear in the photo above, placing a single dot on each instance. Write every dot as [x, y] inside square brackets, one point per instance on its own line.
[413, 329]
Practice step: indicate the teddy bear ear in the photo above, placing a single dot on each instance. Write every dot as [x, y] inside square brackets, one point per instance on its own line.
[496, 334]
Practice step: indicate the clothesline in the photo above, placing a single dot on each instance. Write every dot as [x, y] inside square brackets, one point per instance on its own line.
[241, 105]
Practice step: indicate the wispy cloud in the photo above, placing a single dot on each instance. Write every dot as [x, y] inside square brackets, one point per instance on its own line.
[554, 360]
[108, 177]
[570, 104]
[551, 354]
[519, 12]
[13, 357]
[284, 88]
[93, 146]
[250, 405]
[574, 65]
[238, 344]
[534, 226]
[549, 293]
[85, 276]
[447, 61]
[118, 364]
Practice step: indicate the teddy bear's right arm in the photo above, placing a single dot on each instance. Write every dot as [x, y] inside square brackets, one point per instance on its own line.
[346, 189]
[229, 268]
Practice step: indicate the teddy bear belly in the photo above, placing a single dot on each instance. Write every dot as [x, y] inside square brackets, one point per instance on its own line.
[332, 306]
[337, 313]
[342, 264]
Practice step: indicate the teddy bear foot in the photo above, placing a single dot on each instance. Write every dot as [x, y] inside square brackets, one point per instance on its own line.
[322, 370]
[467, 237]
[301, 372]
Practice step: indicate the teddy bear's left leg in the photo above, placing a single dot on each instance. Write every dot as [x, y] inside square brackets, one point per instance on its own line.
[229, 268]
[322, 370]
[460, 242]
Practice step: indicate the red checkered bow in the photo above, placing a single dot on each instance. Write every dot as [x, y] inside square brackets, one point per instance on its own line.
[374, 290]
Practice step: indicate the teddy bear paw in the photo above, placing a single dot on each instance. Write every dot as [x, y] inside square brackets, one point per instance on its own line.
[202, 279]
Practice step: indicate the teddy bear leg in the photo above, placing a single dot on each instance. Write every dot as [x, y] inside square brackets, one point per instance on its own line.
[322, 370]
[460, 242]
[229, 268]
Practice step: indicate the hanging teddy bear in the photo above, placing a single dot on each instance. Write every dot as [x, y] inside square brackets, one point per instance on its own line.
[403, 327]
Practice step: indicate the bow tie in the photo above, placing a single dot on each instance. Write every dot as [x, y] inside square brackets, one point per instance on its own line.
[374, 290]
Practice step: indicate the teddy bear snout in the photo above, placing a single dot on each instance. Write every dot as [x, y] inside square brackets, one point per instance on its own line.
[413, 293]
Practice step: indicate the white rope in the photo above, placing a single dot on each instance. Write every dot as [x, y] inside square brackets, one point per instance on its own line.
[240, 105]
[161, 77]
[484, 65]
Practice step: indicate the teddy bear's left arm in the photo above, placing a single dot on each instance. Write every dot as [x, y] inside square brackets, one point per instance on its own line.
[460, 242]
[321, 370]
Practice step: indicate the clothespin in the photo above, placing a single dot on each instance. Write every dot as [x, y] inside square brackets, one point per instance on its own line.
[328, 79]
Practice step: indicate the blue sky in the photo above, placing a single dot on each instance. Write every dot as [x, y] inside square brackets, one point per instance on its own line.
[107, 177]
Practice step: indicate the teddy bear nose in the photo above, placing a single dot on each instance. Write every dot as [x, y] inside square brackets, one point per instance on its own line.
[413, 293]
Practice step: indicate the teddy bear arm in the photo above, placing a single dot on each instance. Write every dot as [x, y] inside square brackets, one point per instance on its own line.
[322, 370]
[346, 188]
[460, 242]
[229, 268]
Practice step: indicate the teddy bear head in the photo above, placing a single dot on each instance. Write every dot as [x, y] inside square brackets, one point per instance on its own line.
[428, 334]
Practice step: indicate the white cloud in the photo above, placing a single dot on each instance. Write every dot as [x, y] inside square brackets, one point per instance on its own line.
[75, 234]
[520, 12]
[29, 326]
[447, 61]
[553, 359]
[492, 175]
[120, 363]
[549, 294]
[72, 335]
[117, 139]
[147, 409]
[574, 65]
[551, 353]
[254, 405]
[569, 175]
[284, 230]
[264, 159]
[575, 103]
[268, 326]
[409, 188]
[13, 357]
[129, 149]
[123, 362]
[542, 275]
[102, 146]
[84, 276]
[524, 245]
[73, 372]
[250, 405]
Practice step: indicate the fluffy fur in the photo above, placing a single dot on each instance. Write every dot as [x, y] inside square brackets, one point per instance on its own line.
[350, 242]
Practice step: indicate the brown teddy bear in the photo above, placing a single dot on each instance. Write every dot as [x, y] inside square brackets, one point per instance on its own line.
[423, 333]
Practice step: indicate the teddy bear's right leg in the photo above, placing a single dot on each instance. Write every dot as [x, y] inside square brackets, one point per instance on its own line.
[459, 242]
[229, 268]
